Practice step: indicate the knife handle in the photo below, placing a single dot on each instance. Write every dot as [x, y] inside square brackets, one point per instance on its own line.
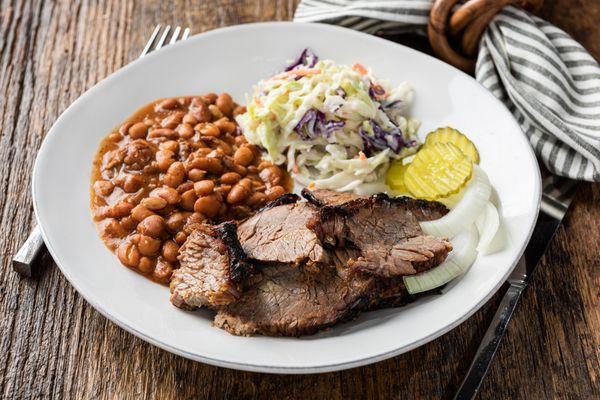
[487, 349]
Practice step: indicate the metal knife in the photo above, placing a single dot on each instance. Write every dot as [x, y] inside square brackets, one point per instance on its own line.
[557, 194]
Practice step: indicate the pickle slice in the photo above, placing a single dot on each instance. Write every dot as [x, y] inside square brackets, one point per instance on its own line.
[451, 135]
[438, 170]
[394, 177]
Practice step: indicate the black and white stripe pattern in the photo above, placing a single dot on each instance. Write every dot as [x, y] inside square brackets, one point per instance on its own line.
[548, 81]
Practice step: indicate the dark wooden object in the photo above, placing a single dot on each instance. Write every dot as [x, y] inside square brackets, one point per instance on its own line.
[54, 345]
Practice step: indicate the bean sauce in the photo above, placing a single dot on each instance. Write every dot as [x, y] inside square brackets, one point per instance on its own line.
[175, 163]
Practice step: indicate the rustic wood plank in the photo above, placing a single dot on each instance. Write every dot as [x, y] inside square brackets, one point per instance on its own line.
[54, 345]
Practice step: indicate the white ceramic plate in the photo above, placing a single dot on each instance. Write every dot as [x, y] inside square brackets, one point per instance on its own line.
[231, 60]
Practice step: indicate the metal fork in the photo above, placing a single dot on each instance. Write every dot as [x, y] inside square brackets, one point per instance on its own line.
[23, 260]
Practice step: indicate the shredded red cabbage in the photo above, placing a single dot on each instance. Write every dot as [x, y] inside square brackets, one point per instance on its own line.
[314, 124]
[375, 90]
[307, 59]
[382, 139]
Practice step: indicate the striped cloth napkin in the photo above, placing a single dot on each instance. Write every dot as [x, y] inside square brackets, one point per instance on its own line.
[547, 80]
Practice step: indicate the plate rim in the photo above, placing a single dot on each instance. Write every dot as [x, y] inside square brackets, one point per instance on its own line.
[268, 368]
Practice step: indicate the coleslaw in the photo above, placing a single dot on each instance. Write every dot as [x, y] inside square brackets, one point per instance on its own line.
[335, 126]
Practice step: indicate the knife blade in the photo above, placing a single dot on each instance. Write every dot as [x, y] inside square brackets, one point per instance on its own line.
[557, 194]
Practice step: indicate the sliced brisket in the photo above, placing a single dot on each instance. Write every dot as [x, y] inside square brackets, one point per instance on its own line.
[211, 269]
[363, 246]
[385, 230]
[280, 234]
[287, 301]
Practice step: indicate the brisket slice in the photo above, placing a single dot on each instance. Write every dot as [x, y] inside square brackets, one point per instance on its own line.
[212, 267]
[279, 234]
[385, 230]
[423, 210]
[287, 301]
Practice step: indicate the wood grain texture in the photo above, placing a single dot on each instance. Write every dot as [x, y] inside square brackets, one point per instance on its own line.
[54, 345]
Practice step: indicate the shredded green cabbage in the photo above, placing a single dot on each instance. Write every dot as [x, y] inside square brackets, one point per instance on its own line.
[320, 121]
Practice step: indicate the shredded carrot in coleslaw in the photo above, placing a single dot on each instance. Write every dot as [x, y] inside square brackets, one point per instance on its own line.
[296, 72]
[358, 67]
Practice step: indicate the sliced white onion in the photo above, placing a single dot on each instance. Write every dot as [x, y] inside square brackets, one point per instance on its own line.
[492, 235]
[463, 216]
[457, 263]
[488, 224]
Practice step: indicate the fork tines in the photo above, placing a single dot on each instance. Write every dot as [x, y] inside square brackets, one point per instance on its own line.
[163, 37]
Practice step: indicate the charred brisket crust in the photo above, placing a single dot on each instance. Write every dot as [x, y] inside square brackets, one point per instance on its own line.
[287, 198]
[350, 207]
[311, 198]
[239, 268]
[411, 203]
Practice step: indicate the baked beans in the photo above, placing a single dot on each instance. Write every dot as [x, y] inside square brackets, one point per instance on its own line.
[175, 163]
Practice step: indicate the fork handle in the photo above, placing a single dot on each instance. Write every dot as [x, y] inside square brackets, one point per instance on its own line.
[491, 340]
[22, 261]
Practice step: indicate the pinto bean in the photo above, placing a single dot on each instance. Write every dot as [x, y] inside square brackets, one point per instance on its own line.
[208, 205]
[115, 137]
[256, 199]
[132, 183]
[153, 226]
[138, 130]
[140, 212]
[240, 140]
[168, 104]
[128, 254]
[204, 188]
[239, 110]
[274, 192]
[175, 174]
[223, 190]
[210, 98]
[215, 111]
[146, 265]
[164, 158]
[272, 175]
[238, 193]
[189, 119]
[176, 221]
[112, 228]
[180, 238]
[169, 194]
[225, 103]
[225, 125]
[243, 156]
[163, 270]
[172, 120]
[240, 169]
[128, 223]
[154, 203]
[148, 246]
[195, 174]
[162, 133]
[125, 128]
[185, 186]
[209, 164]
[103, 188]
[170, 145]
[229, 178]
[188, 199]
[170, 251]
[119, 210]
[209, 129]
[185, 131]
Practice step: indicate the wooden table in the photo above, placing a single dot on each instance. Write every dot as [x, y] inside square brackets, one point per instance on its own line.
[53, 344]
